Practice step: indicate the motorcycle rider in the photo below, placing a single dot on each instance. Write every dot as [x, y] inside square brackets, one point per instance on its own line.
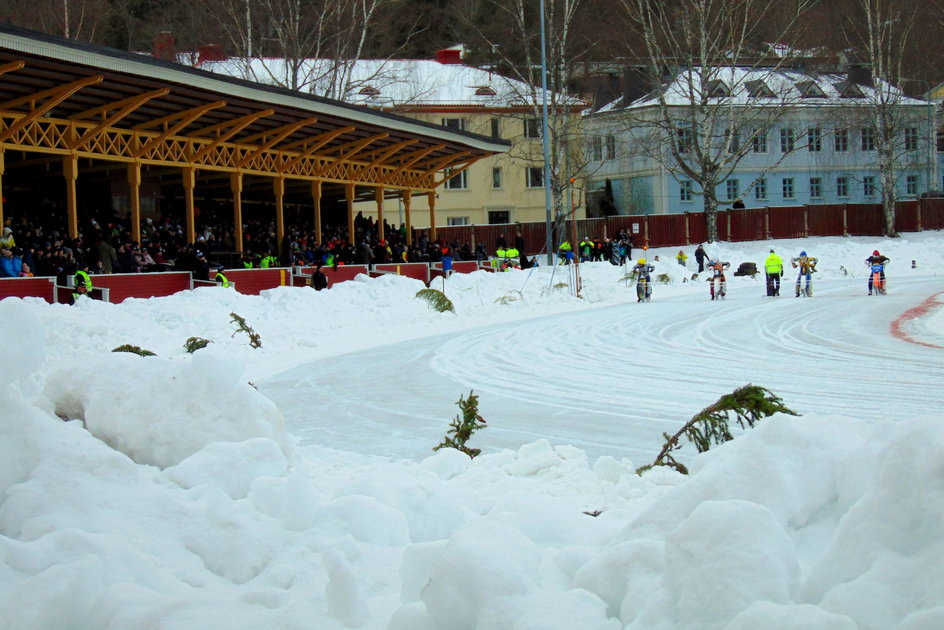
[877, 262]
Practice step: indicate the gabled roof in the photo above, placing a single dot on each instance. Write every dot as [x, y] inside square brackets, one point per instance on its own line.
[848, 89]
[747, 86]
[393, 83]
[809, 89]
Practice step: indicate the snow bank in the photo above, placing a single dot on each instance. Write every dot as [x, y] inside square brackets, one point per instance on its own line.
[164, 491]
[159, 411]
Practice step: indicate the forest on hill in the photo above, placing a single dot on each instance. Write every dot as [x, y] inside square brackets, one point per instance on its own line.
[499, 32]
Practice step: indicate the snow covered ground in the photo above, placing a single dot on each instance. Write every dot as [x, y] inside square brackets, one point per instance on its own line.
[294, 486]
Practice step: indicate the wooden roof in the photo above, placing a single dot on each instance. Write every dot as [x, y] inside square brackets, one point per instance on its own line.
[66, 97]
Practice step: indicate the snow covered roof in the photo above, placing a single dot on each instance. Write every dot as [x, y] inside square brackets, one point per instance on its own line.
[756, 86]
[390, 82]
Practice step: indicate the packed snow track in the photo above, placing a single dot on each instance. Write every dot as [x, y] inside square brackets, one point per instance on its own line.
[611, 380]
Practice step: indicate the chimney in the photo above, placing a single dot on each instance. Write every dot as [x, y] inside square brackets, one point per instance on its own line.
[449, 56]
[210, 52]
[637, 82]
[165, 47]
[859, 73]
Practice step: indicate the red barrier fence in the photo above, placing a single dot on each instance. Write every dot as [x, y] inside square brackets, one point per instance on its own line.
[670, 230]
[254, 281]
[931, 212]
[142, 285]
[28, 287]
[420, 271]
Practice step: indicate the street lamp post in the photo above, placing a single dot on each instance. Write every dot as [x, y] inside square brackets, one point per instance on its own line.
[549, 241]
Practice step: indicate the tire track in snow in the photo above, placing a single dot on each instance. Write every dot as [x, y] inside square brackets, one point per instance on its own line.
[612, 379]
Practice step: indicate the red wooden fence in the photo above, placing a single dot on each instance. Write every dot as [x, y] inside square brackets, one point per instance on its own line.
[669, 230]
[28, 287]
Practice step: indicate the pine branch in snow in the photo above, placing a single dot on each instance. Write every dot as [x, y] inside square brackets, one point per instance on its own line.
[748, 404]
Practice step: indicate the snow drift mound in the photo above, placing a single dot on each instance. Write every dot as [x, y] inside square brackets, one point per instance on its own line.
[158, 411]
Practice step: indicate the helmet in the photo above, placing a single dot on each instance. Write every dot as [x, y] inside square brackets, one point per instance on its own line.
[802, 253]
[641, 261]
[875, 253]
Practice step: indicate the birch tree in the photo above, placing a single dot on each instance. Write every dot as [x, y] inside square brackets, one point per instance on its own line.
[506, 36]
[719, 86]
[880, 32]
[316, 42]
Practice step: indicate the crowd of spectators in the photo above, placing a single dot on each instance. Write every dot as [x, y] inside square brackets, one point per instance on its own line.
[33, 247]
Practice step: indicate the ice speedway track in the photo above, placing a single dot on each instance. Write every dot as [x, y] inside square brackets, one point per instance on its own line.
[611, 380]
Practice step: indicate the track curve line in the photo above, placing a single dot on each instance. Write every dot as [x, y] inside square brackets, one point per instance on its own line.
[897, 327]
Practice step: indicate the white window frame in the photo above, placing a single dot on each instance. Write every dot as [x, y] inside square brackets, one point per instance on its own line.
[760, 189]
[732, 189]
[868, 185]
[457, 221]
[498, 179]
[911, 138]
[460, 181]
[453, 123]
[789, 188]
[686, 190]
[841, 140]
[787, 140]
[814, 139]
[532, 128]
[867, 139]
[685, 139]
[609, 147]
[842, 186]
[816, 188]
[759, 142]
[534, 177]
[911, 185]
[596, 148]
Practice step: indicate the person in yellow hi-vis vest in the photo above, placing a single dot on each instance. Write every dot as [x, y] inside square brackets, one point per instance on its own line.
[82, 277]
[221, 279]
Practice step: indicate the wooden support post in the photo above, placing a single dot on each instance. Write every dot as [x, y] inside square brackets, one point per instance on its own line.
[316, 201]
[1, 188]
[70, 170]
[190, 182]
[407, 197]
[236, 186]
[349, 196]
[134, 196]
[806, 221]
[917, 209]
[379, 197]
[432, 215]
[688, 229]
[845, 219]
[278, 188]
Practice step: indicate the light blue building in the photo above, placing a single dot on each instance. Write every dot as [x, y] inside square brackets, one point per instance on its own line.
[782, 138]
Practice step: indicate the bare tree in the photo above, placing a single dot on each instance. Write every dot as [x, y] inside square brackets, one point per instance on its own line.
[719, 86]
[505, 35]
[316, 43]
[879, 33]
[73, 19]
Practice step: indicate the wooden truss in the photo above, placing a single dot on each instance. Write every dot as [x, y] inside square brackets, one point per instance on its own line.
[238, 138]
